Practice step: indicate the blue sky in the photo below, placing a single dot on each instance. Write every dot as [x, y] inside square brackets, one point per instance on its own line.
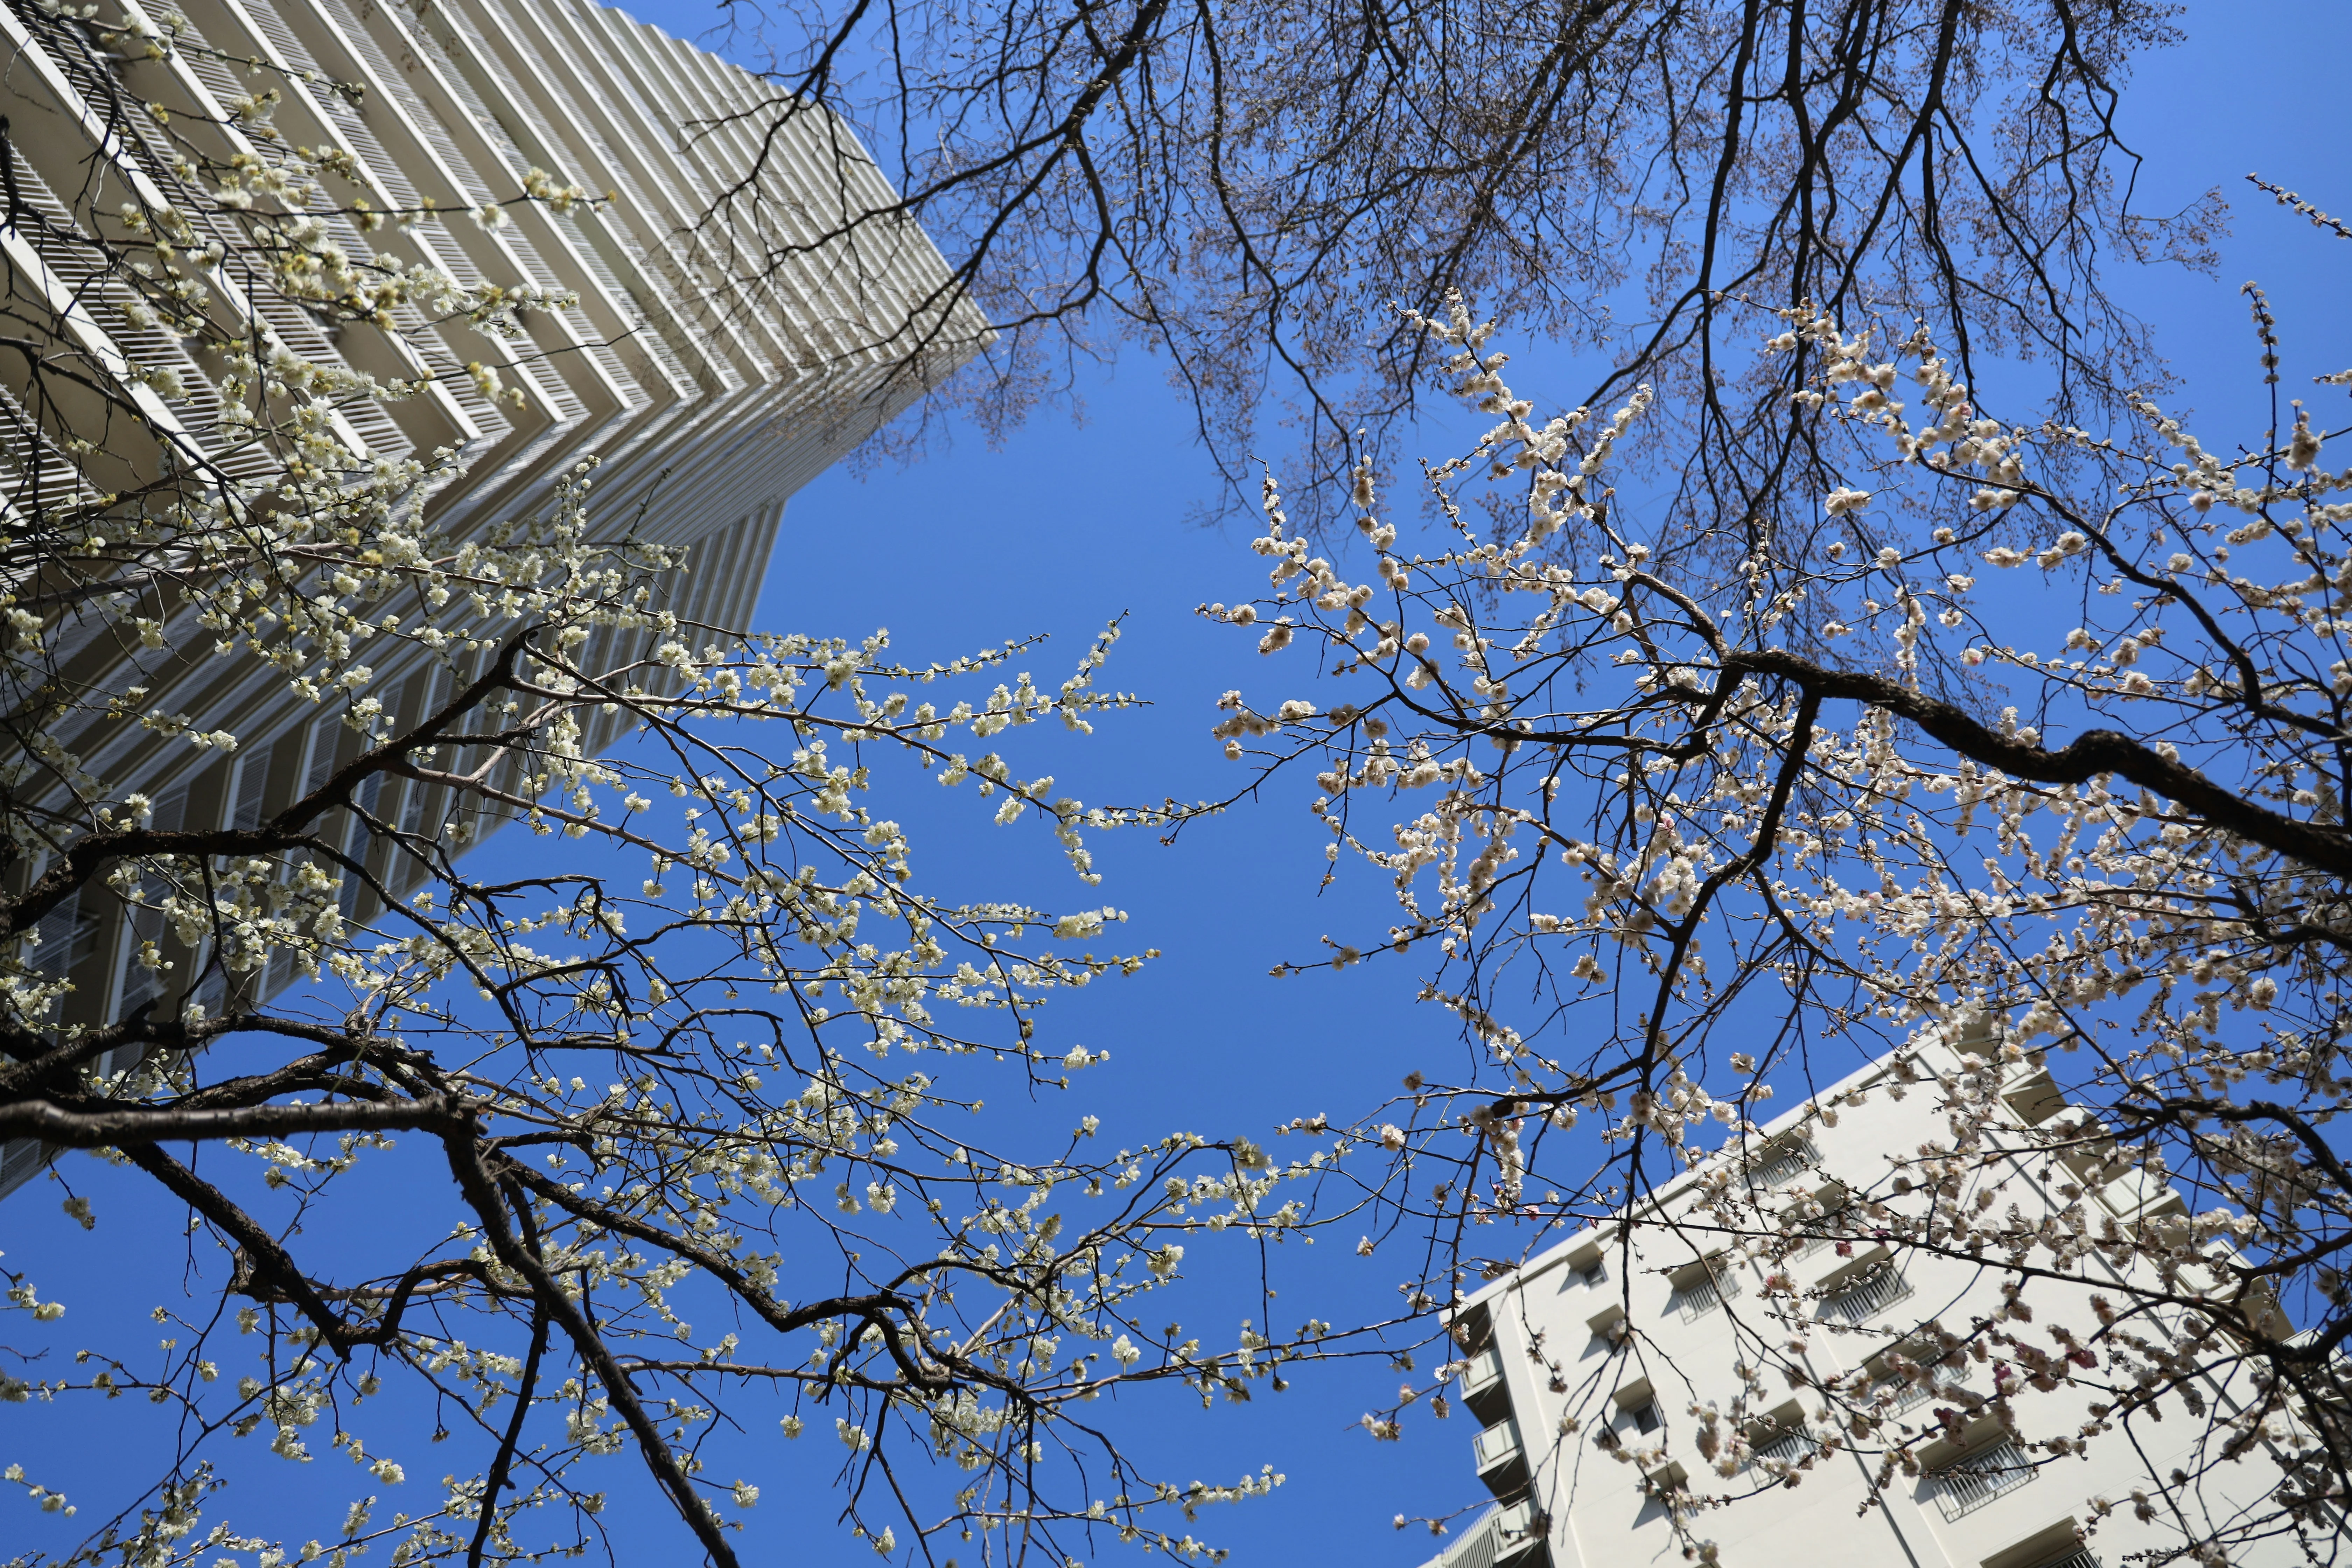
[1070, 523]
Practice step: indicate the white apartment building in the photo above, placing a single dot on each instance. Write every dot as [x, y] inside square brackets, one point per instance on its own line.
[1609, 1340]
[709, 398]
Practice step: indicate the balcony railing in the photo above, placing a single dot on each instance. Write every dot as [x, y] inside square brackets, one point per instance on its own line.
[1909, 1395]
[1497, 1445]
[1876, 1290]
[1516, 1527]
[1698, 1294]
[1788, 1446]
[1969, 1484]
[1499, 1535]
[1810, 1236]
[1783, 1163]
[1482, 1371]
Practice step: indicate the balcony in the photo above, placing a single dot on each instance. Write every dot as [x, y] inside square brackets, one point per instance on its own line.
[1785, 1445]
[1910, 1396]
[1516, 1527]
[1698, 1289]
[1784, 1161]
[1968, 1484]
[1866, 1294]
[1507, 1533]
[1482, 1374]
[1803, 1235]
[1499, 1452]
[2035, 1099]
[2138, 1196]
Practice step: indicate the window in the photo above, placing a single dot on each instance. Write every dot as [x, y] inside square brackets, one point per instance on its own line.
[140, 924]
[250, 789]
[1645, 1416]
[18, 1160]
[1590, 1270]
[368, 797]
[323, 759]
[170, 810]
[142, 918]
[411, 803]
[211, 992]
[67, 936]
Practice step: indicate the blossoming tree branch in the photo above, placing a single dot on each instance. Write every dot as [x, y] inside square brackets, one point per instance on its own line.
[1674, 819]
[677, 1127]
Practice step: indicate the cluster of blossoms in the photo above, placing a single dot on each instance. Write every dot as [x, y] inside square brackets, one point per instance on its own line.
[745, 1045]
[1761, 804]
[720, 1058]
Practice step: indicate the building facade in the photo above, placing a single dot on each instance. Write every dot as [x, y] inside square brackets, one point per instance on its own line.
[707, 396]
[1593, 1370]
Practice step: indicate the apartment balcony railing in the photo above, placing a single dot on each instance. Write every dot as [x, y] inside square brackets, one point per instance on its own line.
[1516, 1527]
[1783, 1163]
[1824, 1230]
[1497, 1447]
[1502, 1535]
[1482, 1371]
[1698, 1292]
[1967, 1485]
[1788, 1446]
[1910, 1396]
[1876, 1290]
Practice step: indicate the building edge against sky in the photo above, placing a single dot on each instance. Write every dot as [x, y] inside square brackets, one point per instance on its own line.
[1624, 1328]
[708, 400]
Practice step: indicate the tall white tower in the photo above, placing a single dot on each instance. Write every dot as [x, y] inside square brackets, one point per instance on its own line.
[707, 398]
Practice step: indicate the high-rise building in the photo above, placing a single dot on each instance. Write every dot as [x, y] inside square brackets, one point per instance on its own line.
[707, 396]
[1590, 1369]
